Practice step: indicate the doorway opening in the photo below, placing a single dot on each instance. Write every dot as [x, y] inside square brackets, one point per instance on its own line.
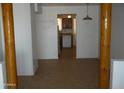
[66, 28]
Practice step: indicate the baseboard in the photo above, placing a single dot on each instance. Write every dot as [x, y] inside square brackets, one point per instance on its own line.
[87, 58]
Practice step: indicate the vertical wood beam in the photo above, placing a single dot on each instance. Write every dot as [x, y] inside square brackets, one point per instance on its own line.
[8, 24]
[105, 45]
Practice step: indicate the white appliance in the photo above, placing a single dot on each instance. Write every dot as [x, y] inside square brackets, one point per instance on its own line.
[117, 74]
[2, 76]
[66, 40]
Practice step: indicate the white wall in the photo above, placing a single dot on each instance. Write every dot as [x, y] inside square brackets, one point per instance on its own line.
[46, 29]
[87, 31]
[1, 54]
[23, 39]
[88, 34]
[117, 46]
[34, 43]
[117, 35]
[1, 49]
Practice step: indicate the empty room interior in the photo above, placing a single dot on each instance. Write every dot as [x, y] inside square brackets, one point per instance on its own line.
[57, 45]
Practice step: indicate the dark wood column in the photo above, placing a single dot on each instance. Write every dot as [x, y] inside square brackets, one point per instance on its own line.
[105, 45]
[8, 24]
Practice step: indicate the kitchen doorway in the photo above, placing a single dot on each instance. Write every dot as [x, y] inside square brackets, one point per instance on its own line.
[66, 26]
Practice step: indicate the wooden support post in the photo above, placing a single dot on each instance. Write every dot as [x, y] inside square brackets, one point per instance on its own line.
[8, 24]
[105, 45]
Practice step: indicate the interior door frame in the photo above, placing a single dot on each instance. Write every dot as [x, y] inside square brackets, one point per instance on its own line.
[105, 42]
[9, 41]
[64, 15]
[11, 70]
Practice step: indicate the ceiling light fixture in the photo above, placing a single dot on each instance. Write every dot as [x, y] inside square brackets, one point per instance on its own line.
[69, 16]
[87, 17]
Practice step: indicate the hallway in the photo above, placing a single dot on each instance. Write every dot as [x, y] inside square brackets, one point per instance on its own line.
[67, 72]
[68, 53]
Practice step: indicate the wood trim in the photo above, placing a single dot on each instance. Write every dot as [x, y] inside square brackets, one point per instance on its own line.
[105, 45]
[66, 15]
[8, 25]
